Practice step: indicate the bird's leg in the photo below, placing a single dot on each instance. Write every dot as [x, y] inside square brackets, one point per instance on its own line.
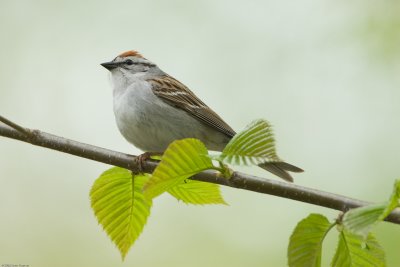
[139, 160]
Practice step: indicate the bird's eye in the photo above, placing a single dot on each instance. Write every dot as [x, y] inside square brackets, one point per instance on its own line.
[128, 62]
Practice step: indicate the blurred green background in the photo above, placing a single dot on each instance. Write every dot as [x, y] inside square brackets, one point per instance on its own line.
[324, 73]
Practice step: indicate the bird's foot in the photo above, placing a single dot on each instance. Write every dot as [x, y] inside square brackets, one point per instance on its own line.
[139, 160]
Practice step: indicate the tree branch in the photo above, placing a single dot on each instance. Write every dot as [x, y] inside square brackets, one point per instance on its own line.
[238, 180]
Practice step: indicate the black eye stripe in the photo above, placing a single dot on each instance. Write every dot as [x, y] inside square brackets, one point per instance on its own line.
[148, 64]
[130, 62]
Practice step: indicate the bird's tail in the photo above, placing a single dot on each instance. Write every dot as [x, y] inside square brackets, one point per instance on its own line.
[281, 169]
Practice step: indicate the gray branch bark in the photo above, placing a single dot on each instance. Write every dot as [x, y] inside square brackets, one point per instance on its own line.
[238, 180]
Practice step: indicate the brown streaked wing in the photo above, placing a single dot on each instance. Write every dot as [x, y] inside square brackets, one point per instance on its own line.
[178, 95]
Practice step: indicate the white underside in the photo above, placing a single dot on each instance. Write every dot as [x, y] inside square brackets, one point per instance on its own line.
[150, 124]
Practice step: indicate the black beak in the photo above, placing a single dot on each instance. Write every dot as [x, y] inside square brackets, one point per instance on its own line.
[110, 65]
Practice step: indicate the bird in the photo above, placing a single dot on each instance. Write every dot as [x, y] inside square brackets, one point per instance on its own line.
[152, 109]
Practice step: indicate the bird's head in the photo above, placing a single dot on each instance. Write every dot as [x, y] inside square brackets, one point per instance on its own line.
[129, 63]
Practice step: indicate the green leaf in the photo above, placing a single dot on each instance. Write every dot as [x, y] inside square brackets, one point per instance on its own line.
[119, 206]
[182, 159]
[361, 220]
[196, 192]
[306, 241]
[353, 251]
[254, 145]
[395, 198]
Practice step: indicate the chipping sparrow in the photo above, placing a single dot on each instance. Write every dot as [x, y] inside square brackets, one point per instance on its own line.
[152, 109]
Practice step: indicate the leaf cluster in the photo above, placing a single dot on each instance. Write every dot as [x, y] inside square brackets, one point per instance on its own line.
[122, 201]
[357, 246]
